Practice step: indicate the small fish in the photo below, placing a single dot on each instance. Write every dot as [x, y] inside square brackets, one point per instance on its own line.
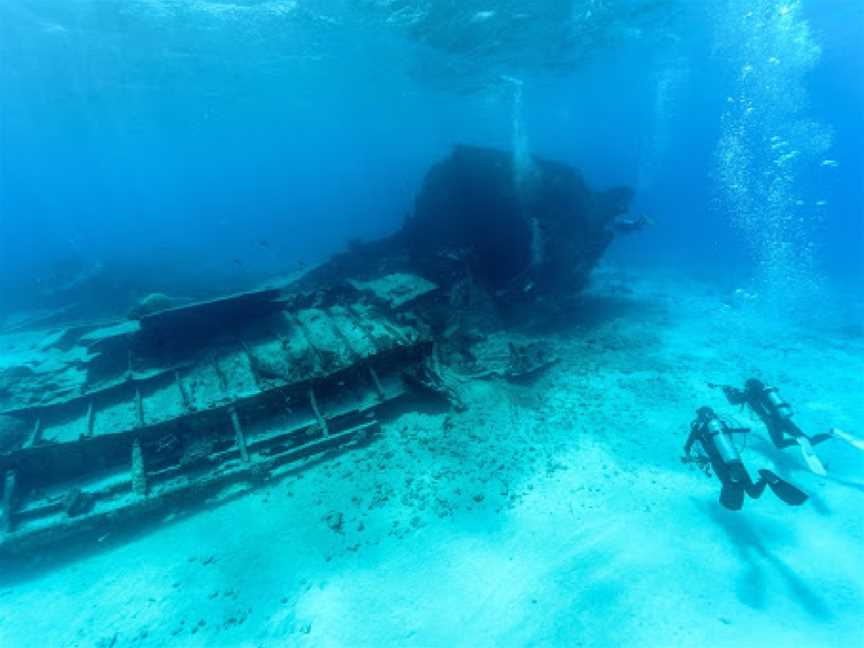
[746, 295]
[821, 203]
[237, 262]
[786, 157]
[482, 16]
[264, 243]
[830, 163]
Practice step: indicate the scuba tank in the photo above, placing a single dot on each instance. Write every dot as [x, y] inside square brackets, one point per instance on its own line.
[721, 440]
[769, 397]
[720, 437]
[781, 408]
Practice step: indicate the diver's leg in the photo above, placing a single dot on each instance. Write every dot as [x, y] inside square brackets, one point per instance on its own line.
[731, 492]
[732, 496]
[782, 443]
[785, 434]
[776, 432]
[790, 494]
[739, 474]
[819, 438]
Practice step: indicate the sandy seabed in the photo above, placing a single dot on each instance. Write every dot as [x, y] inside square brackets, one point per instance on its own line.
[551, 514]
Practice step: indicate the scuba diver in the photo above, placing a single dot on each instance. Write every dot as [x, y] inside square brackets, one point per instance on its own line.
[776, 414]
[715, 436]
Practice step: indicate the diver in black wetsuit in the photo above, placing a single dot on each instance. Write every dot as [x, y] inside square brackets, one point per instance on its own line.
[715, 436]
[774, 412]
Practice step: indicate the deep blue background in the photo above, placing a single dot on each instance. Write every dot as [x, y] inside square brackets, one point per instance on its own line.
[203, 157]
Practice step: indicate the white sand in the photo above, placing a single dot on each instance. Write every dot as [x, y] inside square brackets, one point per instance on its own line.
[556, 514]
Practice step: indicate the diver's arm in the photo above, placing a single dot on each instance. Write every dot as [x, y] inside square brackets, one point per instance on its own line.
[734, 395]
[694, 436]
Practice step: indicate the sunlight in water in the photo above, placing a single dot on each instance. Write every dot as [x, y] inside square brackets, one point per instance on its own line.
[769, 147]
[522, 163]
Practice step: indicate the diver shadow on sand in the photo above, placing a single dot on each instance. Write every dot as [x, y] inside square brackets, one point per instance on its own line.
[789, 463]
[786, 464]
[756, 556]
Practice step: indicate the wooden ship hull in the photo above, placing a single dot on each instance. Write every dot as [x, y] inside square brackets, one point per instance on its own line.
[151, 422]
[104, 423]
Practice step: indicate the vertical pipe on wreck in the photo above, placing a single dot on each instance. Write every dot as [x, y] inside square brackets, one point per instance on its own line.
[238, 434]
[139, 475]
[184, 396]
[36, 435]
[322, 422]
[10, 483]
[139, 408]
[376, 381]
[91, 419]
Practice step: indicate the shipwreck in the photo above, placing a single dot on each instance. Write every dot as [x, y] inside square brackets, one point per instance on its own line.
[103, 422]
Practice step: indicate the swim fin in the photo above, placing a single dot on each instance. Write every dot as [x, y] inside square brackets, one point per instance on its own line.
[810, 457]
[855, 442]
[790, 494]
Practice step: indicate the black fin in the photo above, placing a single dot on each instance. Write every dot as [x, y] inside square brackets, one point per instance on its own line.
[790, 494]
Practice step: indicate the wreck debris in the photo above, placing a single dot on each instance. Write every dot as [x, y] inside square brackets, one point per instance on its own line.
[139, 476]
[90, 418]
[239, 436]
[336, 521]
[77, 502]
[231, 390]
[322, 422]
[318, 357]
[253, 363]
[431, 376]
[10, 483]
[508, 358]
[220, 375]
[152, 303]
[397, 289]
[207, 396]
[528, 360]
[36, 436]
[472, 213]
[181, 389]
[139, 408]
[376, 381]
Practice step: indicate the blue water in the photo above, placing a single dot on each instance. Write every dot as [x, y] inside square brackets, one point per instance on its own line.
[200, 147]
[162, 142]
